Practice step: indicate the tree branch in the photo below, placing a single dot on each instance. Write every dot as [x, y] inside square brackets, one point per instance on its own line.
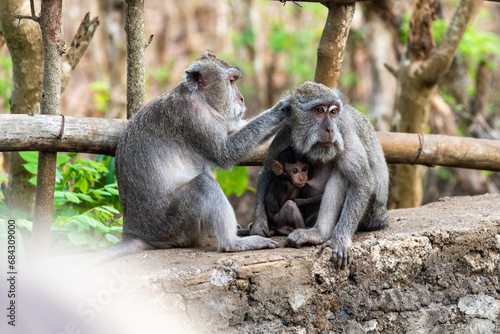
[332, 44]
[136, 45]
[440, 61]
[78, 46]
[53, 48]
[29, 17]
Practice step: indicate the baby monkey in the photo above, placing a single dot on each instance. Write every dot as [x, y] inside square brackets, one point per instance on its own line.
[289, 196]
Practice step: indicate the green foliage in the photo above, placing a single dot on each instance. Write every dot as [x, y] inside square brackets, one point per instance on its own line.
[404, 28]
[299, 46]
[444, 173]
[163, 74]
[244, 39]
[475, 46]
[101, 94]
[86, 203]
[5, 81]
[233, 181]
[299, 50]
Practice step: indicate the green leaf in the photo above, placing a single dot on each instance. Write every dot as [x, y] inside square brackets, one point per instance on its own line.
[116, 229]
[62, 159]
[84, 197]
[72, 197]
[59, 193]
[77, 238]
[31, 167]
[100, 192]
[110, 208]
[111, 238]
[84, 185]
[234, 181]
[112, 189]
[32, 180]
[101, 227]
[29, 156]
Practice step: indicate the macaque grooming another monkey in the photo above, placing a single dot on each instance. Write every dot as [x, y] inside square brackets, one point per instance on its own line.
[163, 161]
[349, 164]
[289, 182]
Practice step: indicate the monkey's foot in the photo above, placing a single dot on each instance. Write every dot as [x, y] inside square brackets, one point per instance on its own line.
[259, 229]
[302, 236]
[248, 243]
[340, 256]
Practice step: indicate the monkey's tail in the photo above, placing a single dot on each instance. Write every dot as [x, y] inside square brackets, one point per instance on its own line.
[123, 248]
[77, 263]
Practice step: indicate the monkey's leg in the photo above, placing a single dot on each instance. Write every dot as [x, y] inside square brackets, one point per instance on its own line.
[289, 216]
[201, 205]
[378, 216]
[260, 224]
[328, 215]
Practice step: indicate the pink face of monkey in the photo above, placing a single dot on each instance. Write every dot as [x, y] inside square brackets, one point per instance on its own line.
[296, 172]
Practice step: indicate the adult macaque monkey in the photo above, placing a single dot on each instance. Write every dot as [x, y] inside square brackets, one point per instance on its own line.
[163, 161]
[349, 164]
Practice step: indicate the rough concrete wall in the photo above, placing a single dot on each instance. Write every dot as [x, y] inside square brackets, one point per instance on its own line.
[434, 270]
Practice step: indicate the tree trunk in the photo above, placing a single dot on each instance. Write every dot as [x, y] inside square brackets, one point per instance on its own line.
[136, 46]
[332, 44]
[380, 48]
[422, 66]
[25, 46]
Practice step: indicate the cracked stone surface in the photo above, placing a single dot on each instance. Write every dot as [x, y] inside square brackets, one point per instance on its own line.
[435, 269]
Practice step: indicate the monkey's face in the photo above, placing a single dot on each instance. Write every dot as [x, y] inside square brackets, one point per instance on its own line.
[297, 172]
[316, 116]
[215, 80]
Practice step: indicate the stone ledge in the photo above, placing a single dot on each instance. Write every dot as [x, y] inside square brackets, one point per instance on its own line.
[434, 270]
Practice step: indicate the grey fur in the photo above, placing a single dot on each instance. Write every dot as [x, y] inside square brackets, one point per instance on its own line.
[164, 156]
[357, 182]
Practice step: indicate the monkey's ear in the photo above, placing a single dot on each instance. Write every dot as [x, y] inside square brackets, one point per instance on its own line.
[277, 168]
[195, 78]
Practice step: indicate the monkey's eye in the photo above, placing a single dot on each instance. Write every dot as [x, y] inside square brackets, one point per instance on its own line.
[233, 78]
[304, 169]
[320, 110]
[334, 110]
[295, 170]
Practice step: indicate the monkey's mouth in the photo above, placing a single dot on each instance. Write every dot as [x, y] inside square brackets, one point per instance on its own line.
[299, 185]
[325, 145]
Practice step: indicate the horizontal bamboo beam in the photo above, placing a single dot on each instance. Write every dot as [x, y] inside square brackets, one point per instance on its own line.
[100, 136]
[330, 2]
[43, 133]
[450, 151]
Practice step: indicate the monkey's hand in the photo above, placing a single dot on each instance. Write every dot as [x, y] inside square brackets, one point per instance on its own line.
[305, 236]
[283, 107]
[261, 229]
[340, 255]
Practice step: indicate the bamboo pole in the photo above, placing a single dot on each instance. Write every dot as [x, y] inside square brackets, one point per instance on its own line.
[100, 136]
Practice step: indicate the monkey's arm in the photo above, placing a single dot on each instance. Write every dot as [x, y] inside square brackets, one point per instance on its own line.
[356, 170]
[260, 224]
[307, 201]
[242, 142]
